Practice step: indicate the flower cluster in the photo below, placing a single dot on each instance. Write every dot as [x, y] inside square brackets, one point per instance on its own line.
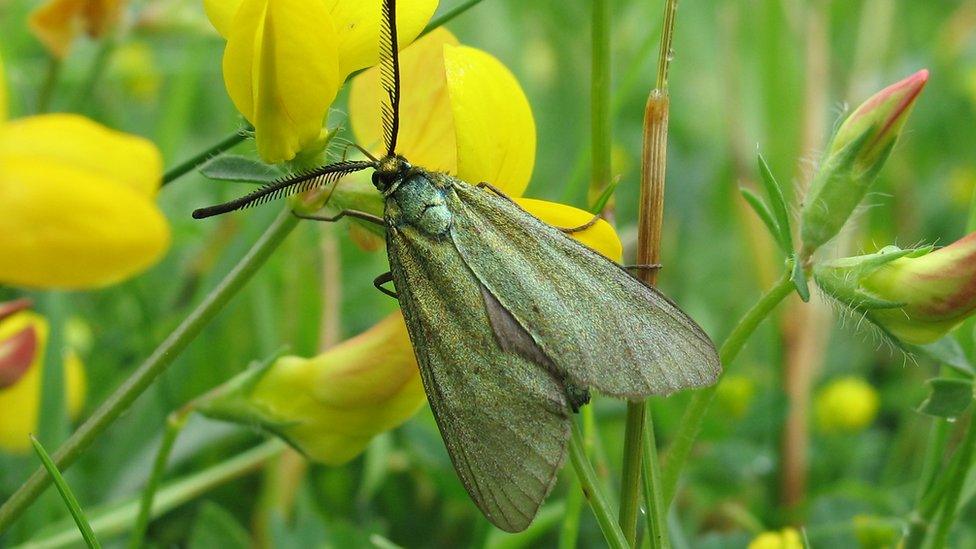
[462, 112]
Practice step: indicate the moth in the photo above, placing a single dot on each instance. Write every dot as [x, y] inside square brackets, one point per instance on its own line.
[512, 321]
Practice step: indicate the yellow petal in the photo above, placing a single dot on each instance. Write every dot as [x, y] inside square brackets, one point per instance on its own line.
[21, 401]
[333, 404]
[601, 236]
[68, 228]
[281, 70]
[493, 122]
[75, 142]
[426, 121]
[357, 23]
[221, 14]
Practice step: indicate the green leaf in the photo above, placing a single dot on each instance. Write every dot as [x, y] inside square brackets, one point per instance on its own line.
[70, 501]
[601, 201]
[230, 167]
[763, 212]
[948, 398]
[947, 351]
[800, 279]
[780, 210]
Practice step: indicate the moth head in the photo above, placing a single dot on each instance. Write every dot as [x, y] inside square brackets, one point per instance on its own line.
[389, 171]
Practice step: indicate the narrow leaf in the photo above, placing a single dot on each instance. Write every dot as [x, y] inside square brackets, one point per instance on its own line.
[230, 167]
[780, 211]
[948, 398]
[67, 495]
[800, 279]
[762, 211]
[601, 201]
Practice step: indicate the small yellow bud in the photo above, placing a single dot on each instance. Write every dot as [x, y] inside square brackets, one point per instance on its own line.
[787, 538]
[846, 405]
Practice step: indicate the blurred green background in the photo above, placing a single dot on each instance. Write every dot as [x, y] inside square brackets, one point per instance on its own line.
[748, 75]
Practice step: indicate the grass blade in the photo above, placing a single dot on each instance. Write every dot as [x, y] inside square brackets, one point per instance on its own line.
[67, 495]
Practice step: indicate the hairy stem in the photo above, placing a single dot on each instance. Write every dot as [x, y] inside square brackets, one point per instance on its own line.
[695, 414]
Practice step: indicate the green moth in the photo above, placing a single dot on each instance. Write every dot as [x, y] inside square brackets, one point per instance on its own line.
[512, 321]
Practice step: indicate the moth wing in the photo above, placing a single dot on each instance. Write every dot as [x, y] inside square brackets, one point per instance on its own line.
[600, 326]
[504, 419]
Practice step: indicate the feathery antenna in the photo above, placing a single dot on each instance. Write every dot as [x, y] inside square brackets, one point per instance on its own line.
[287, 186]
[390, 75]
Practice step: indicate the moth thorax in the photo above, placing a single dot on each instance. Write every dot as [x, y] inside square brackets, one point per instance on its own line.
[389, 171]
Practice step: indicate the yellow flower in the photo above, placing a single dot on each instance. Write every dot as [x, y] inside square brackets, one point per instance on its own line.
[77, 203]
[286, 60]
[787, 538]
[463, 112]
[57, 23]
[23, 336]
[848, 404]
[329, 407]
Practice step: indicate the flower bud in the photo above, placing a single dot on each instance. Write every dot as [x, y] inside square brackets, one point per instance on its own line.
[855, 156]
[329, 407]
[847, 405]
[23, 338]
[916, 296]
[787, 538]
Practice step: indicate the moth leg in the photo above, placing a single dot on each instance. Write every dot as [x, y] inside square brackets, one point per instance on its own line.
[379, 281]
[494, 189]
[577, 396]
[643, 267]
[582, 227]
[344, 213]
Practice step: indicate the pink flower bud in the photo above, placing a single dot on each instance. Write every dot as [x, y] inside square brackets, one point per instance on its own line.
[880, 119]
[938, 290]
[856, 154]
[916, 296]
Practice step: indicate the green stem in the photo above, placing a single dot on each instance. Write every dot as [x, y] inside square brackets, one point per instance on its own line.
[174, 425]
[918, 522]
[53, 425]
[594, 495]
[695, 415]
[191, 164]
[449, 15]
[569, 534]
[657, 511]
[630, 476]
[600, 124]
[141, 379]
[117, 519]
[956, 477]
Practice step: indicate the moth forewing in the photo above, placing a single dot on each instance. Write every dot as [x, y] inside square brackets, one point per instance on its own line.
[600, 326]
[504, 419]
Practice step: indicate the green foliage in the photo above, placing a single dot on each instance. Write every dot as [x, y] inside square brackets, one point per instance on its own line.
[742, 75]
